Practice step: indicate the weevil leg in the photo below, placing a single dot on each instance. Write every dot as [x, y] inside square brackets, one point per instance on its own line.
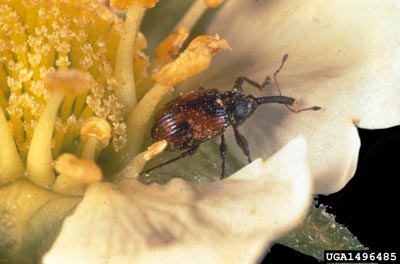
[185, 154]
[242, 143]
[223, 150]
[238, 86]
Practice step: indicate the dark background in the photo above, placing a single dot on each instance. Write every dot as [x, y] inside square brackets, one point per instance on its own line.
[369, 202]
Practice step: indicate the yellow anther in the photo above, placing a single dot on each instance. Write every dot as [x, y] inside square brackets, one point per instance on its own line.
[195, 59]
[125, 4]
[122, 4]
[154, 149]
[137, 164]
[148, 3]
[140, 41]
[69, 81]
[96, 133]
[170, 46]
[80, 171]
[97, 128]
[213, 3]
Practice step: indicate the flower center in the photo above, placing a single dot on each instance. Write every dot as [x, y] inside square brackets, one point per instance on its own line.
[74, 79]
[39, 37]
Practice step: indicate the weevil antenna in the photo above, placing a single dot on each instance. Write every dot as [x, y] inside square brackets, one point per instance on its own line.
[284, 59]
[312, 108]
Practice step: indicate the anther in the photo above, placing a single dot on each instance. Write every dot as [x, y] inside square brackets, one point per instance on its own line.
[135, 167]
[195, 59]
[96, 132]
[75, 174]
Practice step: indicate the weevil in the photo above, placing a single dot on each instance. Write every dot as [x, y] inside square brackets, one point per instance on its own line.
[198, 116]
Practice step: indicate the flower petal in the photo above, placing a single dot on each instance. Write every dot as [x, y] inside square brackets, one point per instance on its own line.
[230, 221]
[30, 218]
[343, 56]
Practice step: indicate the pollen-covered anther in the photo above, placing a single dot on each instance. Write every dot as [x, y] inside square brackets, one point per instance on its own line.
[80, 171]
[195, 59]
[171, 45]
[96, 133]
[125, 4]
[213, 3]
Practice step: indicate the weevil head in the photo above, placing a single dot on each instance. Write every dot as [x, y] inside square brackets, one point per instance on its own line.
[239, 106]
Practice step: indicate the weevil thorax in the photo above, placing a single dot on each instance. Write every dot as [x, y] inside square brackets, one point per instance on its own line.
[239, 106]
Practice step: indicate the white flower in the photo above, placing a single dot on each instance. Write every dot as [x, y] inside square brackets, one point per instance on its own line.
[343, 56]
[82, 87]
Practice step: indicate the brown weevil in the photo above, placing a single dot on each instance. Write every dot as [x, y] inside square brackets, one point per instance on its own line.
[198, 116]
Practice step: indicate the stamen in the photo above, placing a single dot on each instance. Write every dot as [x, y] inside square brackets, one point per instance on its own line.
[141, 116]
[170, 46]
[67, 106]
[39, 160]
[135, 167]
[75, 174]
[96, 132]
[194, 13]
[124, 72]
[141, 64]
[10, 162]
[195, 59]
[137, 126]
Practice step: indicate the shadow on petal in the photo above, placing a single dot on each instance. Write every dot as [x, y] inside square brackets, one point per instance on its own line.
[230, 221]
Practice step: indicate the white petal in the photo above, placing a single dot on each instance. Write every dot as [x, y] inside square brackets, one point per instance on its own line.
[231, 221]
[343, 56]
